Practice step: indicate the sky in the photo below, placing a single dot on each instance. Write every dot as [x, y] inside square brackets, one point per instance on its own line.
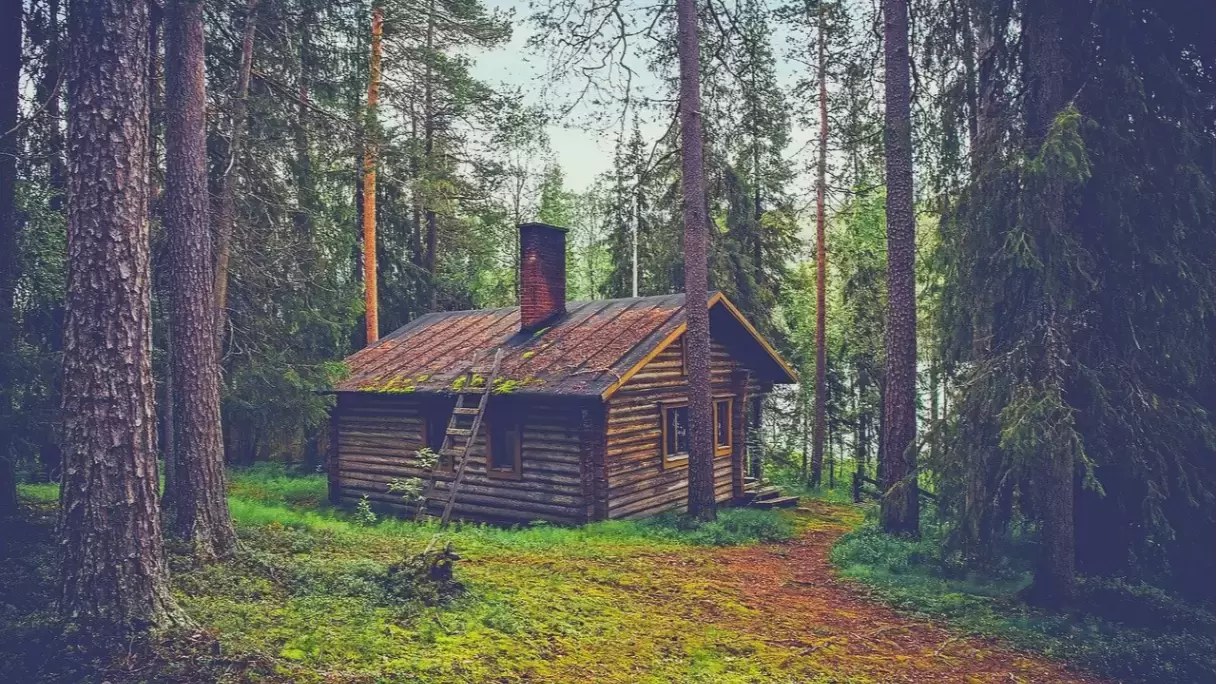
[582, 153]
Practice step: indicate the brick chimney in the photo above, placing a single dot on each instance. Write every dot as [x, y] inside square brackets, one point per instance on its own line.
[542, 275]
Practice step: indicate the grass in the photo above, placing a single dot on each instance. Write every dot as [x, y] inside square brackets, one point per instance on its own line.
[1130, 632]
[310, 598]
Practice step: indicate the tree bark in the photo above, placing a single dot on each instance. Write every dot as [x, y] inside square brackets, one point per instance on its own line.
[371, 318]
[1053, 582]
[199, 513]
[429, 164]
[10, 94]
[226, 212]
[115, 580]
[899, 509]
[697, 337]
[817, 459]
[302, 218]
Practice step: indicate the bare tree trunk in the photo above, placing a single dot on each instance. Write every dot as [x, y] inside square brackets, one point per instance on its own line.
[804, 473]
[371, 317]
[697, 338]
[226, 213]
[817, 461]
[899, 510]
[305, 195]
[1053, 583]
[428, 149]
[200, 506]
[115, 580]
[10, 95]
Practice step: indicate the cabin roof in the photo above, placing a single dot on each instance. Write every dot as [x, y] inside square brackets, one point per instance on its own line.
[591, 350]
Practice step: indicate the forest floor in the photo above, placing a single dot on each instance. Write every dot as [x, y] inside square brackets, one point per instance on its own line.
[610, 602]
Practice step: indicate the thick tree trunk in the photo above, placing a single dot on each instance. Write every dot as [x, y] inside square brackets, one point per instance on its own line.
[10, 93]
[697, 338]
[115, 580]
[199, 515]
[899, 510]
[817, 460]
[1053, 583]
[371, 317]
[226, 212]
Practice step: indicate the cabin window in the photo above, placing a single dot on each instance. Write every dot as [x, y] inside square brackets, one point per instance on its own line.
[503, 456]
[435, 425]
[675, 434]
[722, 424]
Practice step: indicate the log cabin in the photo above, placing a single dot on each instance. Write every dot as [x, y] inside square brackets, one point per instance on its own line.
[586, 419]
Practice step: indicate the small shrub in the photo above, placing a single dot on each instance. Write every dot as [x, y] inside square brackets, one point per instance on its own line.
[364, 516]
[734, 526]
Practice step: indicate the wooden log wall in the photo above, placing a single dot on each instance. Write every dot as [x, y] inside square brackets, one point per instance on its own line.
[638, 482]
[376, 437]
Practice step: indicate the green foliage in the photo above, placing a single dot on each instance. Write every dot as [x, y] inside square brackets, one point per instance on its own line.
[1131, 632]
[364, 516]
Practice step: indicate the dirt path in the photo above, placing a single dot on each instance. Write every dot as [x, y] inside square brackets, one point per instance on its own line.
[800, 605]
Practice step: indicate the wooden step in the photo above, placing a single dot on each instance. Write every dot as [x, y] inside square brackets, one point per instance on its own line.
[779, 502]
[462, 411]
[766, 493]
[459, 432]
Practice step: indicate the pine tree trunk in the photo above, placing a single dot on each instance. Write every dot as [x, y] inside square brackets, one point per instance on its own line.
[200, 507]
[1053, 583]
[697, 337]
[115, 580]
[10, 94]
[899, 508]
[226, 212]
[371, 314]
[428, 150]
[817, 460]
[302, 218]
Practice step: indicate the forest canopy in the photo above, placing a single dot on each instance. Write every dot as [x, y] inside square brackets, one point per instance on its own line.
[982, 230]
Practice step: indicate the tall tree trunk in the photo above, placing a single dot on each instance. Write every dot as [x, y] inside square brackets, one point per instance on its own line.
[968, 49]
[226, 213]
[805, 428]
[115, 580]
[899, 509]
[1053, 582]
[371, 318]
[200, 506]
[697, 337]
[302, 218]
[10, 95]
[429, 163]
[817, 460]
[162, 276]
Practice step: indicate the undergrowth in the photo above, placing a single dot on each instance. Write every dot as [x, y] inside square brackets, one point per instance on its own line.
[314, 594]
[1131, 632]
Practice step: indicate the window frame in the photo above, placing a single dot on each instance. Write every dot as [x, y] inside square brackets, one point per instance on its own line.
[432, 410]
[679, 459]
[729, 400]
[497, 422]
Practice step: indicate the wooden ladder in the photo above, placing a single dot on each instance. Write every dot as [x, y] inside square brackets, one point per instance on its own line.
[471, 416]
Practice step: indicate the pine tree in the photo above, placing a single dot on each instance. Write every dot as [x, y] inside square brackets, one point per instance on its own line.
[115, 579]
[899, 513]
[10, 97]
[697, 336]
[197, 507]
[225, 214]
[370, 280]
